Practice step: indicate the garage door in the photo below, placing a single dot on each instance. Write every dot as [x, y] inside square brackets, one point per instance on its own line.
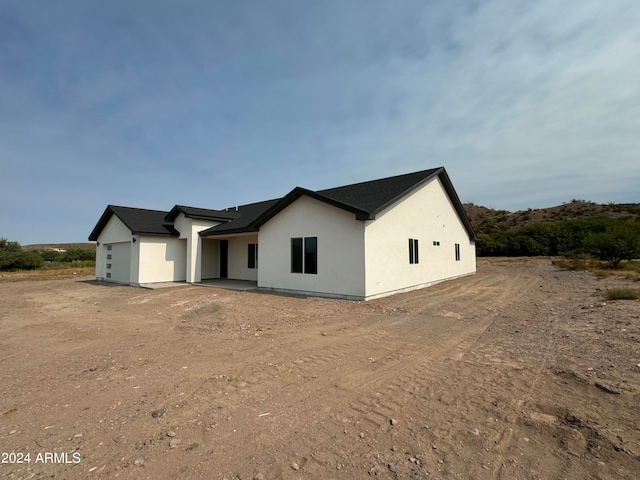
[118, 262]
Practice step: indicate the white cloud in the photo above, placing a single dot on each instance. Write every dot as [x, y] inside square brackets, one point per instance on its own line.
[525, 103]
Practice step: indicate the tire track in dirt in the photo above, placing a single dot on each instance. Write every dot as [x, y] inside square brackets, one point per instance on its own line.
[370, 391]
[383, 392]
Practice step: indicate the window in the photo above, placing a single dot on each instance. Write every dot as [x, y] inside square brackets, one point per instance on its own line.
[108, 265]
[109, 247]
[296, 255]
[252, 255]
[457, 252]
[436, 244]
[304, 255]
[311, 255]
[108, 275]
[108, 256]
[413, 251]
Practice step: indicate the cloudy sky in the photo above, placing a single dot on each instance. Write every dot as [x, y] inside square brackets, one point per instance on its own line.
[219, 103]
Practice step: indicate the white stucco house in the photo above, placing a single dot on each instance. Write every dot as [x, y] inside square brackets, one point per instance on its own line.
[359, 241]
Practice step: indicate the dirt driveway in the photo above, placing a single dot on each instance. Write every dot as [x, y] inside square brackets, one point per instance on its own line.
[520, 371]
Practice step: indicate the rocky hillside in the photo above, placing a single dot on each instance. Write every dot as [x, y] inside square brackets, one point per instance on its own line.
[488, 220]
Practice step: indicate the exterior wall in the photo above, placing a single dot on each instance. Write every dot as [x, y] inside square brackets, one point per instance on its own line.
[162, 259]
[426, 215]
[189, 229]
[134, 270]
[210, 259]
[114, 232]
[238, 258]
[340, 250]
[120, 262]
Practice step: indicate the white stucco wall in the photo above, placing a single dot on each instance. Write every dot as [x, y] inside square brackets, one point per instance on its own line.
[427, 215]
[114, 232]
[162, 259]
[210, 267]
[340, 250]
[238, 258]
[189, 229]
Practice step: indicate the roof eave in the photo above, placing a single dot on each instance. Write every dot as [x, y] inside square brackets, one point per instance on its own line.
[298, 192]
[104, 218]
[178, 209]
[451, 192]
[156, 234]
[457, 204]
[230, 231]
[409, 190]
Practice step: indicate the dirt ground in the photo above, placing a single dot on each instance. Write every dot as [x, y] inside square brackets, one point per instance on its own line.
[521, 371]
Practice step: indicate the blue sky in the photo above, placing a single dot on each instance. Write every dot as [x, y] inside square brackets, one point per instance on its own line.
[218, 103]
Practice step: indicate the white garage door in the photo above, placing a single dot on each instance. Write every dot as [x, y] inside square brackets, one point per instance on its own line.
[118, 262]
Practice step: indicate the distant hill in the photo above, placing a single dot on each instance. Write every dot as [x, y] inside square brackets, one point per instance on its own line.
[63, 246]
[489, 220]
[484, 219]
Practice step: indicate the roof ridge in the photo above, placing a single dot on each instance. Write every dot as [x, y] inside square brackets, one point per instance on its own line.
[430, 170]
[137, 208]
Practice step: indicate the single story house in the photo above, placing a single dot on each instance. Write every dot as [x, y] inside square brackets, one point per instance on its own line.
[359, 241]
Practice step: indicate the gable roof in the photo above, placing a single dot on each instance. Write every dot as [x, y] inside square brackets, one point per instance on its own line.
[367, 199]
[364, 199]
[375, 195]
[201, 213]
[139, 220]
[245, 219]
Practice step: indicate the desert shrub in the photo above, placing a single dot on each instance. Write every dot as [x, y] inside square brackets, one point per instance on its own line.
[621, 294]
[619, 241]
[12, 257]
[78, 255]
[612, 240]
[28, 261]
[9, 253]
[51, 255]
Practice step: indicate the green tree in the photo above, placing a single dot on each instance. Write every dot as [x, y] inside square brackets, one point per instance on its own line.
[619, 241]
[29, 260]
[9, 253]
[78, 254]
[51, 255]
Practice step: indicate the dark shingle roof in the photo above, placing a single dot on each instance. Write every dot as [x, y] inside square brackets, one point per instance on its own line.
[202, 213]
[245, 216]
[375, 195]
[365, 200]
[138, 220]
